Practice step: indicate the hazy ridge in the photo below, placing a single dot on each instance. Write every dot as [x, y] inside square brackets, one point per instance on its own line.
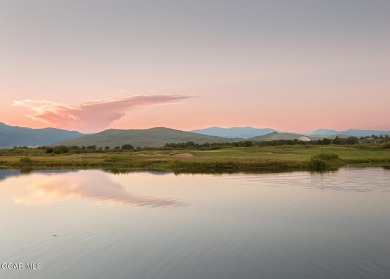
[157, 137]
[22, 136]
[154, 137]
[350, 132]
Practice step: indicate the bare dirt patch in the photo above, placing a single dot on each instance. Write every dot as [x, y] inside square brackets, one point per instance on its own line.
[273, 153]
[182, 155]
[152, 155]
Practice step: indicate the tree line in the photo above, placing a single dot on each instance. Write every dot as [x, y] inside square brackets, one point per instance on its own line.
[250, 143]
[89, 148]
[209, 146]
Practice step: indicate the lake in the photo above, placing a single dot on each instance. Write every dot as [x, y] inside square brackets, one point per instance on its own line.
[95, 224]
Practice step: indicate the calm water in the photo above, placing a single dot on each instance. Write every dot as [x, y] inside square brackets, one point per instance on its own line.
[92, 224]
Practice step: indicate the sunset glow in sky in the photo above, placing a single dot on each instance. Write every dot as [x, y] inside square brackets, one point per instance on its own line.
[89, 65]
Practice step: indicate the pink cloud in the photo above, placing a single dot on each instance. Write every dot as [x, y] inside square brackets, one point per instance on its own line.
[98, 187]
[91, 116]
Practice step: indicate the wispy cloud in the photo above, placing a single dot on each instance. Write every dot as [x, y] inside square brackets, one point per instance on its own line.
[91, 116]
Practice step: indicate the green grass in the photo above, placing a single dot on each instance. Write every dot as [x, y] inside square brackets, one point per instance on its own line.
[238, 159]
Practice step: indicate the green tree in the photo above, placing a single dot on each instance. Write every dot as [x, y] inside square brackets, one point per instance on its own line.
[326, 141]
[351, 140]
[336, 140]
[127, 146]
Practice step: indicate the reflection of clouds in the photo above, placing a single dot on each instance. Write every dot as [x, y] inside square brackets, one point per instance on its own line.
[92, 185]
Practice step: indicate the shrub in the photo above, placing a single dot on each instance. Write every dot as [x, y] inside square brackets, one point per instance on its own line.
[321, 162]
[49, 150]
[318, 164]
[114, 159]
[25, 160]
[326, 157]
[386, 145]
[57, 149]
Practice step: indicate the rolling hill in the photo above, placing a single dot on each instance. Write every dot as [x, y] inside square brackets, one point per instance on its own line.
[234, 132]
[154, 137]
[11, 136]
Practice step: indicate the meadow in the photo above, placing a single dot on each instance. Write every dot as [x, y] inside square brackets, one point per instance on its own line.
[228, 159]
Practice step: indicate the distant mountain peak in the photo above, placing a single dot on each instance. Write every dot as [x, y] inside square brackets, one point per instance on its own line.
[324, 132]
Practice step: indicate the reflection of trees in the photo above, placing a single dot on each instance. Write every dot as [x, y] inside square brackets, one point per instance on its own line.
[92, 185]
[127, 171]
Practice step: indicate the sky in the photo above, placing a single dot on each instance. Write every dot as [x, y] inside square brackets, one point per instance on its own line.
[300, 65]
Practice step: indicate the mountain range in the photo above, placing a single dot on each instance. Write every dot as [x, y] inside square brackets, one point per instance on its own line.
[249, 132]
[156, 137]
[11, 136]
[350, 132]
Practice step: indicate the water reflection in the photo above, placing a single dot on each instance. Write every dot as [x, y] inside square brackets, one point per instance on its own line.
[4, 174]
[353, 180]
[343, 180]
[282, 225]
[127, 171]
[49, 187]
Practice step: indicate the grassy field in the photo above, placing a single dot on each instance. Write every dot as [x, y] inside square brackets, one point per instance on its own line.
[239, 159]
